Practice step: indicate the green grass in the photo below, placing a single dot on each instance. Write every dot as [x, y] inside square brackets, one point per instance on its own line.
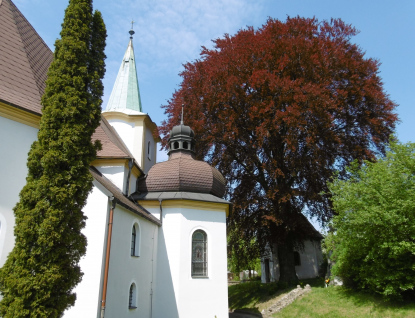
[250, 295]
[321, 302]
[337, 301]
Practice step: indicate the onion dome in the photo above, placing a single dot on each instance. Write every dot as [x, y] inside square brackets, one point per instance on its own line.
[182, 173]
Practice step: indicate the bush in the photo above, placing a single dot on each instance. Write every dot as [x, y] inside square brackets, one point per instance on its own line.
[374, 239]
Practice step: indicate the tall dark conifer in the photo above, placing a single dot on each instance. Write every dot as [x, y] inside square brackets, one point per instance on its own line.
[42, 269]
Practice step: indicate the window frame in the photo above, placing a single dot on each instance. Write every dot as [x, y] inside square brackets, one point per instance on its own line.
[135, 244]
[132, 296]
[205, 262]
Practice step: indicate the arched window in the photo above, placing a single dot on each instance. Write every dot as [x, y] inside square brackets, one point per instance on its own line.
[199, 254]
[132, 297]
[148, 151]
[135, 240]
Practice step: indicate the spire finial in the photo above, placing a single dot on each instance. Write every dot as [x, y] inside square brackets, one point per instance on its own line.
[132, 27]
[181, 122]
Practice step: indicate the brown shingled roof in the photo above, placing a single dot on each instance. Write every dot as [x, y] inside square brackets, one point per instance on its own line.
[112, 145]
[181, 173]
[24, 60]
[121, 198]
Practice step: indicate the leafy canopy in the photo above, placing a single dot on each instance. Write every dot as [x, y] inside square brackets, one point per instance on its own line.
[278, 111]
[42, 269]
[374, 239]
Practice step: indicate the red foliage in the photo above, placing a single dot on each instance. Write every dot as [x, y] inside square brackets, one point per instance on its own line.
[278, 110]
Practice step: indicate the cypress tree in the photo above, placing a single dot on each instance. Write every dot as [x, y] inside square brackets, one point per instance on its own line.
[42, 269]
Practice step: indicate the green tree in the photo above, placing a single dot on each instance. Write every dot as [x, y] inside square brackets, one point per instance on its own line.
[243, 253]
[374, 233]
[42, 269]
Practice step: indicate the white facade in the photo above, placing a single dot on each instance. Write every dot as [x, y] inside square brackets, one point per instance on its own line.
[149, 271]
[88, 292]
[160, 272]
[136, 131]
[126, 269]
[177, 293]
[310, 259]
[15, 141]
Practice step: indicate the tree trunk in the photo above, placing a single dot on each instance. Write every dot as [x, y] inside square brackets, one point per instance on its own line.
[286, 262]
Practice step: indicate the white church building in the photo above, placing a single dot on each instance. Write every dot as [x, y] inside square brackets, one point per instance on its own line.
[156, 231]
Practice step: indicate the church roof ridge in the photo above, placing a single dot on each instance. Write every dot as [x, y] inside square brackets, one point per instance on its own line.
[125, 93]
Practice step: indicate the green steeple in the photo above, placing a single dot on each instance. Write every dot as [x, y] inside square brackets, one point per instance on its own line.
[125, 94]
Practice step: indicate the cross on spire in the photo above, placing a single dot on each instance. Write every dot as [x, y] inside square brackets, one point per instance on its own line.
[132, 31]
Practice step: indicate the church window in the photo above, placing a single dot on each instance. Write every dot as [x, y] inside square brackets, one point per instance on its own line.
[185, 145]
[135, 240]
[149, 151]
[176, 145]
[297, 259]
[199, 254]
[132, 297]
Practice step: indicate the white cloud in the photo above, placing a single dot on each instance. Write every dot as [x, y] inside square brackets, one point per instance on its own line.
[169, 33]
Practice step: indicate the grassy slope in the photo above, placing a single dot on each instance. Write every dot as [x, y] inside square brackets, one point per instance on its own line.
[329, 302]
[252, 296]
[338, 302]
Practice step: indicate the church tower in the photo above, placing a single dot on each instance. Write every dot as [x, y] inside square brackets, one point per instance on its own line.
[124, 112]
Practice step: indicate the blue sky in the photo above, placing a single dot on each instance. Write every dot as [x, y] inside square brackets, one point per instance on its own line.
[171, 32]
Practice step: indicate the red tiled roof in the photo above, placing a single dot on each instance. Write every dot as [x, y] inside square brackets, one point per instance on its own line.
[24, 60]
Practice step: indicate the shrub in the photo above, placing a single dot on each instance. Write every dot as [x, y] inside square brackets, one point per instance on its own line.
[374, 233]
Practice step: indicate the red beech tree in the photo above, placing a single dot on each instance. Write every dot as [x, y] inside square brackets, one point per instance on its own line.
[278, 111]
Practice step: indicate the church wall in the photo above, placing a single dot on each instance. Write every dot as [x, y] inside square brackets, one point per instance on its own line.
[14, 146]
[154, 208]
[149, 158]
[88, 292]
[125, 269]
[310, 260]
[177, 293]
[115, 173]
[126, 131]
[132, 134]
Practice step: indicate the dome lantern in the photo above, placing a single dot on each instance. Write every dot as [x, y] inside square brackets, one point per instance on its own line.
[181, 139]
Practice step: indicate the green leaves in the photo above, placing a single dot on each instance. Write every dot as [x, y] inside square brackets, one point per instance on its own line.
[42, 269]
[374, 240]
